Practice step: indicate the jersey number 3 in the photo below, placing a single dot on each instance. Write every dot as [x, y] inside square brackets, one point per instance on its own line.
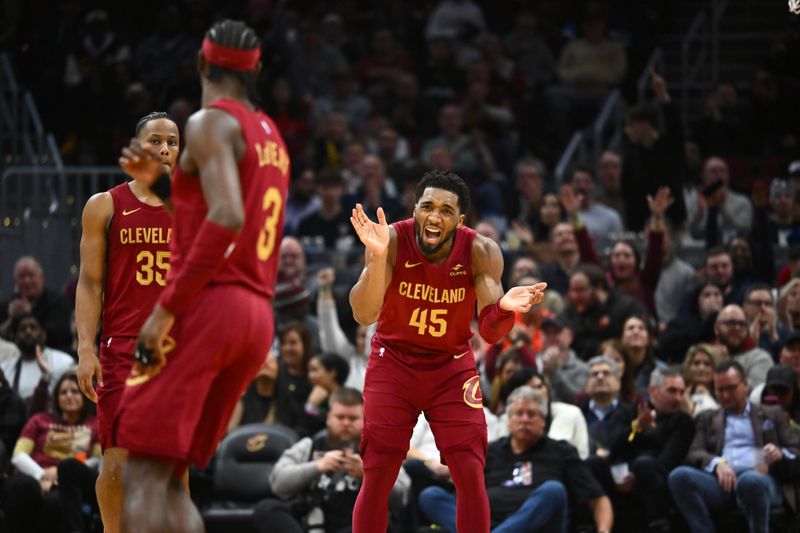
[272, 204]
[435, 323]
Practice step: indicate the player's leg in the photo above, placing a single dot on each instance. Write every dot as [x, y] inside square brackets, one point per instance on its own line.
[155, 500]
[109, 488]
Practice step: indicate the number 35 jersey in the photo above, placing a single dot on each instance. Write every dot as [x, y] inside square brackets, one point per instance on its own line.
[428, 308]
[263, 171]
[137, 262]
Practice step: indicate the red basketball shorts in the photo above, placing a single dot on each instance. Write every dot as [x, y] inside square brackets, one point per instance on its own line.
[116, 360]
[180, 415]
[398, 387]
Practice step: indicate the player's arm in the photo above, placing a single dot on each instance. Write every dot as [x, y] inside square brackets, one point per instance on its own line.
[496, 309]
[380, 241]
[89, 295]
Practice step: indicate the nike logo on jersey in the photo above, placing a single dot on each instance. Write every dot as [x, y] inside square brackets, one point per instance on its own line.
[132, 211]
[412, 265]
[459, 356]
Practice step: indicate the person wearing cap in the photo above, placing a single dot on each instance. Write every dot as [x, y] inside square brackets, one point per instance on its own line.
[557, 361]
[789, 356]
[742, 456]
[781, 389]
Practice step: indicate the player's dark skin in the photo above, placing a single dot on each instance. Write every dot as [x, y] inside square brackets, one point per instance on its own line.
[154, 499]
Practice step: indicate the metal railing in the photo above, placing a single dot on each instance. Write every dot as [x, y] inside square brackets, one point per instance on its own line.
[654, 64]
[40, 215]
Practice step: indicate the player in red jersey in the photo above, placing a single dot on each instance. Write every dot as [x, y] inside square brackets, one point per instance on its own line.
[124, 263]
[229, 192]
[422, 280]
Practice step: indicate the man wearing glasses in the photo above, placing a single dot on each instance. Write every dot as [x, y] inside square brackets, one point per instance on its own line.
[734, 341]
[764, 328]
[603, 401]
[740, 456]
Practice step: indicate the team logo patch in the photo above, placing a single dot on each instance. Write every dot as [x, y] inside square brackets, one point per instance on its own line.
[472, 392]
[256, 443]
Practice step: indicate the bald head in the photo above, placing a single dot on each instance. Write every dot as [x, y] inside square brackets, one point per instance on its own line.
[292, 258]
[29, 278]
[731, 328]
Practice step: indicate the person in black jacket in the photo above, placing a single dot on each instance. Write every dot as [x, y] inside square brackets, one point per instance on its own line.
[648, 441]
[12, 419]
[694, 326]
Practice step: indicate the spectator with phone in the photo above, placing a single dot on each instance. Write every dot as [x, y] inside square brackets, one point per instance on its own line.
[716, 213]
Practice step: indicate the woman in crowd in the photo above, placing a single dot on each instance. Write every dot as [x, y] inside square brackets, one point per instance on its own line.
[789, 305]
[257, 405]
[695, 326]
[613, 348]
[327, 373]
[637, 347]
[50, 455]
[698, 372]
[295, 348]
[509, 363]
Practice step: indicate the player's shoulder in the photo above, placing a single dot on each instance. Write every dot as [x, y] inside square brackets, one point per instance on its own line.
[210, 119]
[486, 255]
[99, 206]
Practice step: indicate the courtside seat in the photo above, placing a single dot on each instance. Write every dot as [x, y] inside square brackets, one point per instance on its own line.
[241, 477]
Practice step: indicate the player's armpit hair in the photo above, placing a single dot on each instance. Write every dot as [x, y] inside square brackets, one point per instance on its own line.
[494, 323]
[162, 187]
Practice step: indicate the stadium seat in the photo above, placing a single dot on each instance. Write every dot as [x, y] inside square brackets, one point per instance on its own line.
[241, 478]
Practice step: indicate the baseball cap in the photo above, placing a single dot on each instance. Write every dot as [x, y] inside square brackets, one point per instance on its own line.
[794, 336]
[552, 321]
[780, 376]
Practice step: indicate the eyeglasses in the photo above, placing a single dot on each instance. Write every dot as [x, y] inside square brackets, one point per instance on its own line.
[733, 323]
[760, 303]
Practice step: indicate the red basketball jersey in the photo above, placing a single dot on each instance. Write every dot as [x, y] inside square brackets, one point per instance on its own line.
[428, 307]
[137, 262]
[264, 179]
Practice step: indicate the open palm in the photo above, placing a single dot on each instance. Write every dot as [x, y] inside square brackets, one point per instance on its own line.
[374, 235]
[523, 297]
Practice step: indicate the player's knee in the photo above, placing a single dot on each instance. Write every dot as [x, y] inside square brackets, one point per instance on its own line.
[382, 446]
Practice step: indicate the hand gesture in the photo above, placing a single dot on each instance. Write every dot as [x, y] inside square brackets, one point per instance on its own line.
[352, 464]
[141, 162]
[318, 395]
[568, 201]
[88, 369]
[659, 86]
[520, 299]
[524, 233]
[18, 306]
[645, 417]
[660, 203]
[331, 461]
[375, 236]
[153, 343]
[326, 276]
[41, 361]
[726, 476]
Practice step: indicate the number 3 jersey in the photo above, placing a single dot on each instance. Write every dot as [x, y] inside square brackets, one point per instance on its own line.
[137, 262]
[428, 308]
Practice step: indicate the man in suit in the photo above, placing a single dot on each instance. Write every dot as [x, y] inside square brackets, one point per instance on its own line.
[740, 455]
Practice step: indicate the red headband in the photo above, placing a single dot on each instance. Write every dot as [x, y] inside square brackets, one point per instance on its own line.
[230, 58]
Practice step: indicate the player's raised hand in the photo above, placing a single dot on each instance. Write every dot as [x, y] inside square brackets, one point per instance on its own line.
[153, 343]
[523, 297]
[375, 236]
[140, 162]
[89, 369]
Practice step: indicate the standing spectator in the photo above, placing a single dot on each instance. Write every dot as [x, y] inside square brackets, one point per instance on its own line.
[651, 439]
[601, 402]
[292, 387]
[740, 456]
[51, 309]
[716, 213]
[719, 270]
[602, 222]
[784, 225]
[736, 344]
[609, 174]
[528, 476]
[698, 372]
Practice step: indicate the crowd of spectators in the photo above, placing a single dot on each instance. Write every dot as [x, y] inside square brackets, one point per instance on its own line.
[652, 386]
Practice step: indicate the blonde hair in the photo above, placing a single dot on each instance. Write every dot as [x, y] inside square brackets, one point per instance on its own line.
[692, 352]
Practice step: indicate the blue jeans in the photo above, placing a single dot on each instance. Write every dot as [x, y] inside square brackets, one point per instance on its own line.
[544, 510]
[697, 492]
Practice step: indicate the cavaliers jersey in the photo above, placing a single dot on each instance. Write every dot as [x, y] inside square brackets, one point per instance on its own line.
[428, 308]
[137, 262]
[264, 180]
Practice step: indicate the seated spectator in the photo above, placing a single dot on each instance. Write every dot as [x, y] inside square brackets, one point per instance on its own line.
[51, 309]
[595, 312]
[784, 226]
[525, 197]
[330, 221]
[698, 372]
[762, 318]
[651, 439]
[292, 386]
[716, 213]
[740, 457]
[333, 339]
[789, 305]
[528, 476]
[376, 191]
[319, 477]
[694, 326]
[602, 222]
[509, 362]
[601, 402]
[566, 373]
[735, 343]
[637, 343]
[36, 362]
[51, 445]
[789, 356]
[256, 404]
[292, 300]
[565, 248]
[781, 389]
[564, 421]
[719, 269]
[12, 419]
[8, 350]
[327, 373]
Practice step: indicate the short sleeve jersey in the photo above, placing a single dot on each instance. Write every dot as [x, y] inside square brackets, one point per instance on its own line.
[264, 177]
[137, 262]
[428, 308]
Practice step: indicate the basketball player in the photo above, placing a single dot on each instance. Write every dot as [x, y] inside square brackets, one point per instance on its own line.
[422, 279]
[124, 263]
[213, 325]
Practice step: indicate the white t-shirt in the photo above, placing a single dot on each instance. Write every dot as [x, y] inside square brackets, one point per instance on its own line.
[30, 374]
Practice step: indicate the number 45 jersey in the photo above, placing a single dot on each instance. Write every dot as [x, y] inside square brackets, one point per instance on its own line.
[252, 260]
[428, 308]
[137, 262]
